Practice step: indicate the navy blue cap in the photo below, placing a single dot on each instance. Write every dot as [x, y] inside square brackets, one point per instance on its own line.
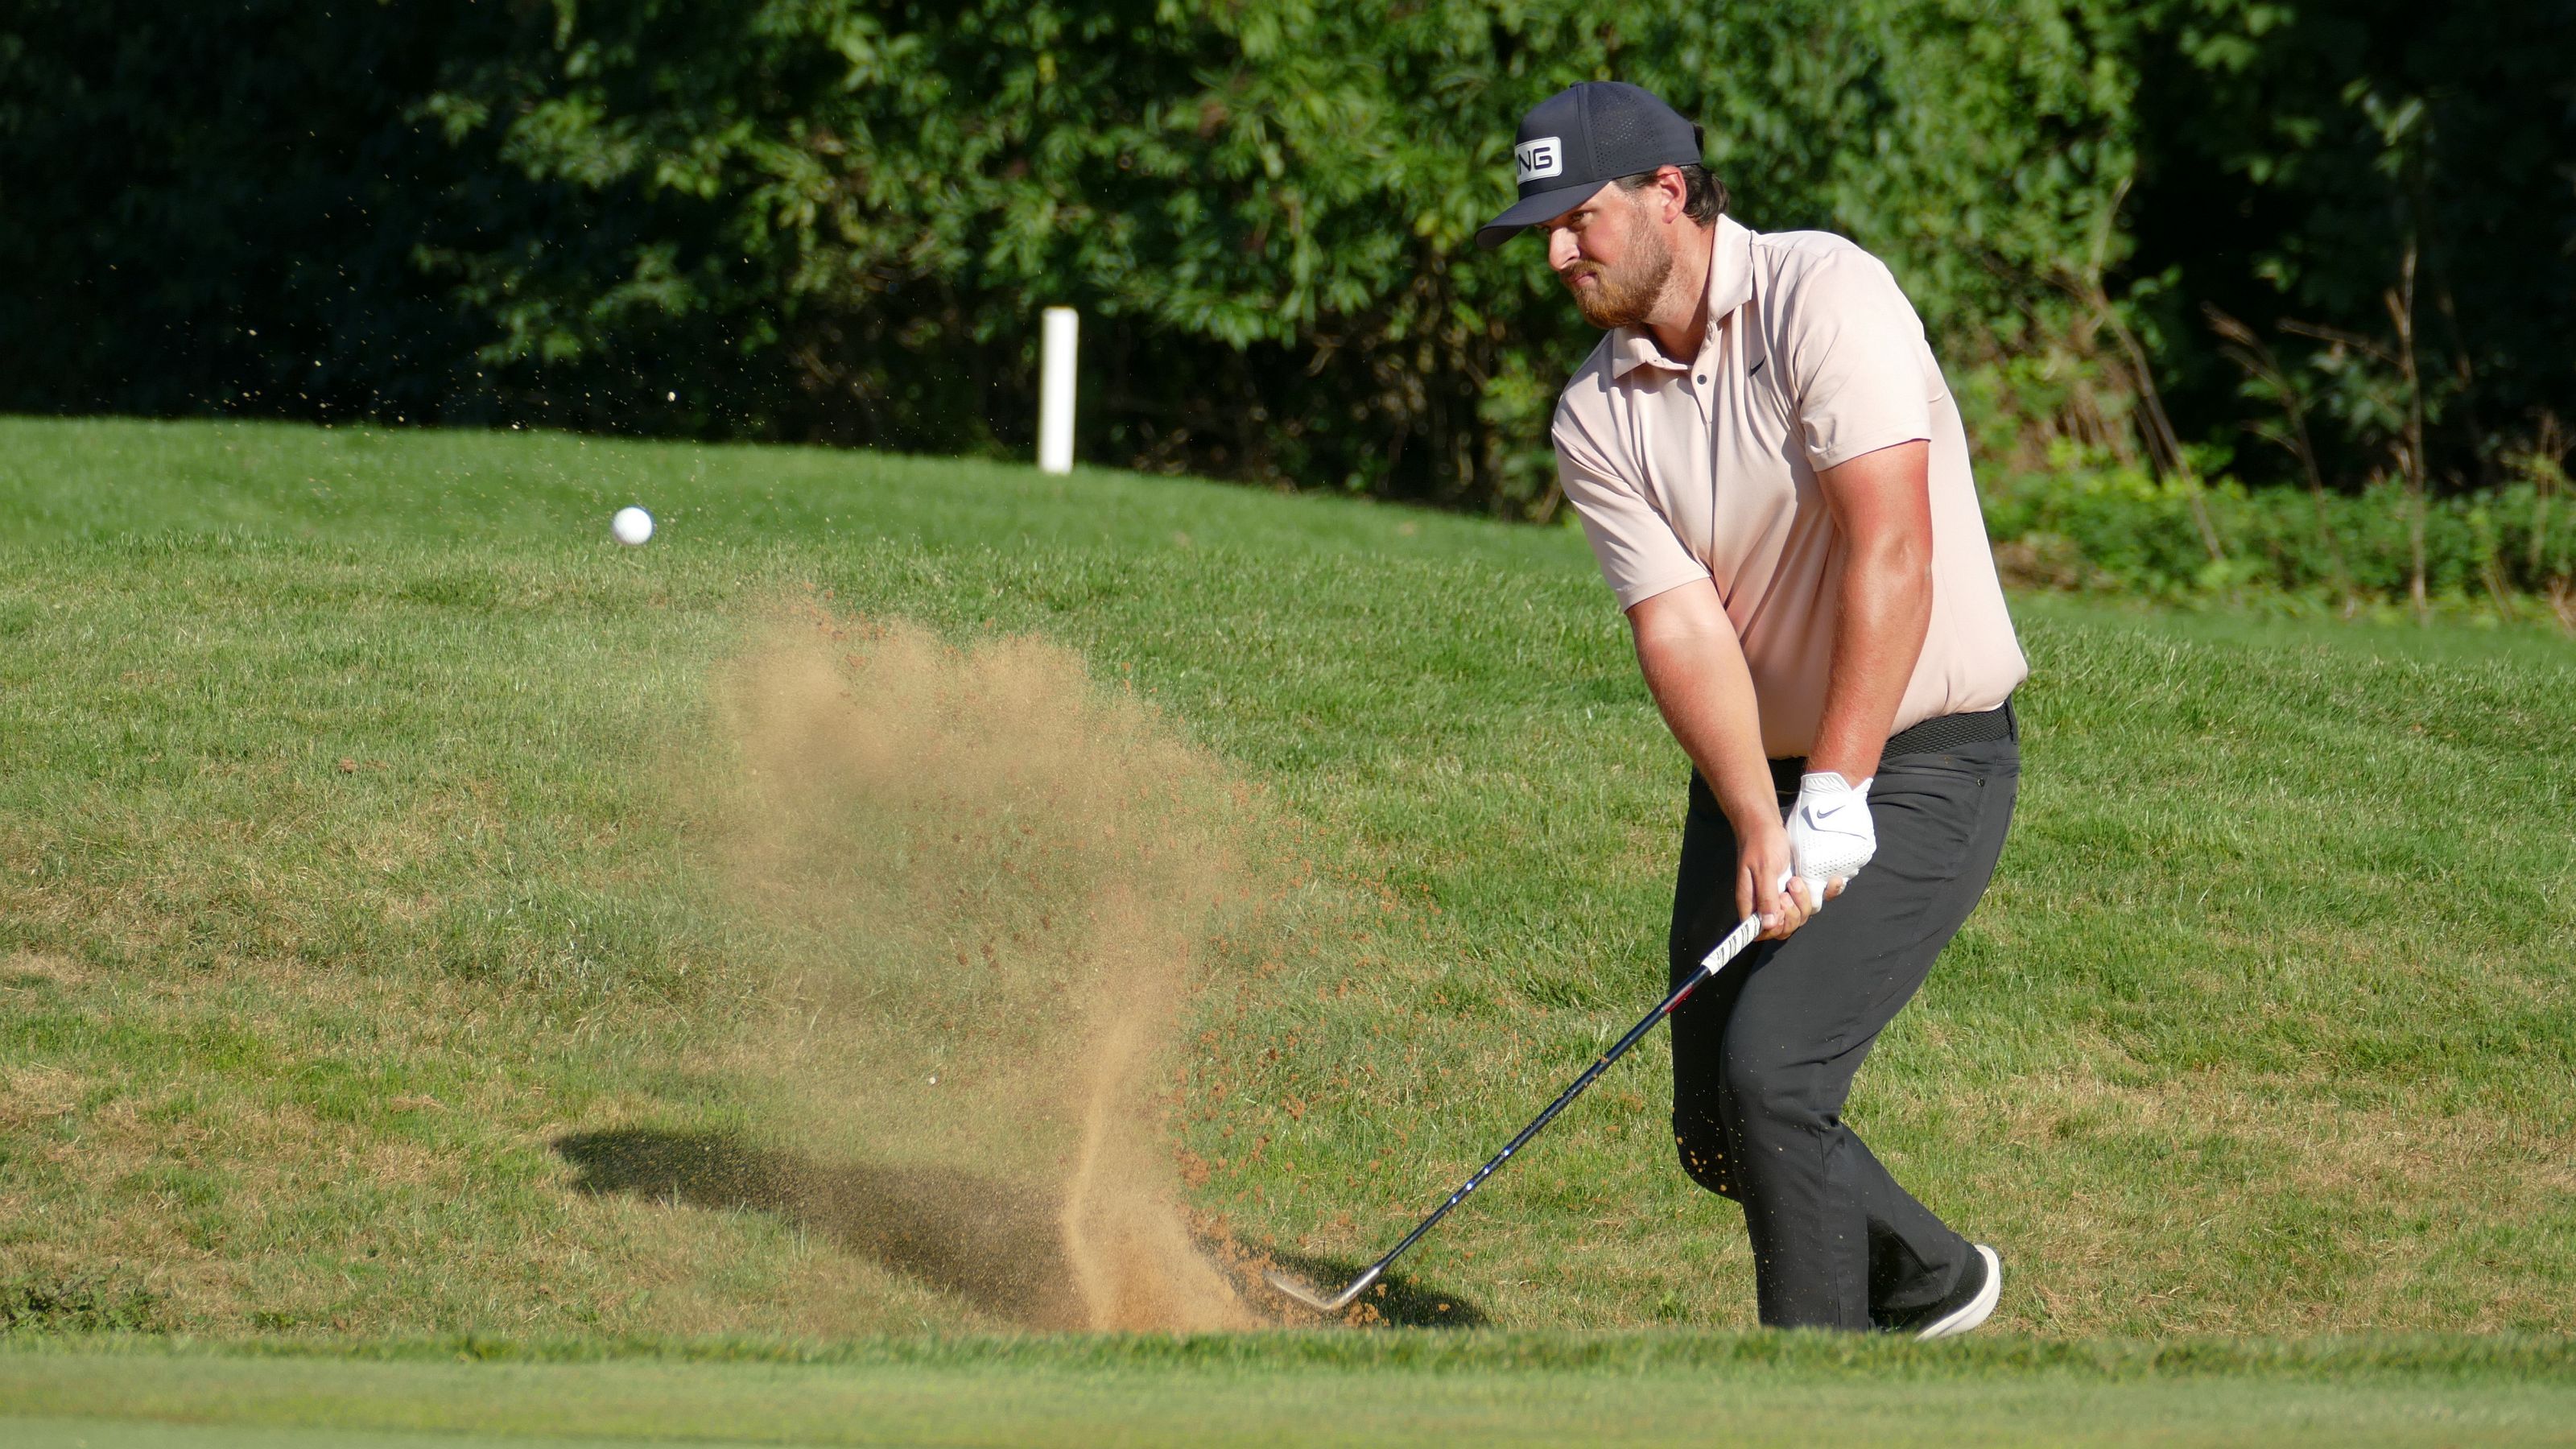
[1581, 139]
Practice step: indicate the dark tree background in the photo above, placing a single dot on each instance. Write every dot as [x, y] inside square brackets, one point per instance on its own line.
[2323, 245]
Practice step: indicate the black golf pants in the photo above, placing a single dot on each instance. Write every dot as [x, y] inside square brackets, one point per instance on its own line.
[1763, 1057]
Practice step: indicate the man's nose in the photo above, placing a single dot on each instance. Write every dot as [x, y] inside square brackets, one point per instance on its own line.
[1560, 248]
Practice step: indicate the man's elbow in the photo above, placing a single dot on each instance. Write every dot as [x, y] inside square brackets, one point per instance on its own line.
[1658, 640]
[1897, 567]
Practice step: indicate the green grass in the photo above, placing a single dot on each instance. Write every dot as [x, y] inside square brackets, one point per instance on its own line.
[1383, 1389]
[342, 872]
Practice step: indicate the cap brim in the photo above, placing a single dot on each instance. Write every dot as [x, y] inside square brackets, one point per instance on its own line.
[1534, 208]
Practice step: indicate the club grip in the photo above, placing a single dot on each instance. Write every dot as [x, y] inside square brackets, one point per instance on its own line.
[1727, 947]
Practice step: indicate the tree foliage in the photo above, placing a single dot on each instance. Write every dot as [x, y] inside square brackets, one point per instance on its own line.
[836, 219]
[2312, 167]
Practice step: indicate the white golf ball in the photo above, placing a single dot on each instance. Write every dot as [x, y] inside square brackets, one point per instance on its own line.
[631, 526]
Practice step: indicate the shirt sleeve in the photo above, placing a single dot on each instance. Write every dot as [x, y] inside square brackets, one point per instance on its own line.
[1854, 353]
[1639, 554]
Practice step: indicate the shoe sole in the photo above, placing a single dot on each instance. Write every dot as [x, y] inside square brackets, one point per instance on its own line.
[1978, 1309]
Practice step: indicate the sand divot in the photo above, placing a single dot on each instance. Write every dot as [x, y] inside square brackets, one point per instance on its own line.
[987, 883]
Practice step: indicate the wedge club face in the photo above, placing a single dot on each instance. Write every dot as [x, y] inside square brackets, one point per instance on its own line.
[1321, 1304]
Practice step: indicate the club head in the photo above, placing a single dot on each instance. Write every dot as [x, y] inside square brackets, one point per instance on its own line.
[1298, 1291]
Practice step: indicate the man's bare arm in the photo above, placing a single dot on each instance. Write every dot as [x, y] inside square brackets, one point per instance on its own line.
[1694, 665]
[1882, 504]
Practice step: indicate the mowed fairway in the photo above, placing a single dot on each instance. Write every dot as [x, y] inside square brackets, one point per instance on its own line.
[345, 870]
[1757, 1390]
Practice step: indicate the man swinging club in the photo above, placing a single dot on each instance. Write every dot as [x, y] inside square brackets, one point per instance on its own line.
[1775, 481]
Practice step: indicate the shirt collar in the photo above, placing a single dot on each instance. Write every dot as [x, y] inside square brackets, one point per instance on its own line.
[1730, 286]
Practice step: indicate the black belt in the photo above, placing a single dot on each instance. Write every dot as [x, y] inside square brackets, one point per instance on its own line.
[1931, 737]
[1949, 731]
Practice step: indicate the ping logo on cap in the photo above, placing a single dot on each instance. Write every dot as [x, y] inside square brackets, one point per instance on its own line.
[1540, 159]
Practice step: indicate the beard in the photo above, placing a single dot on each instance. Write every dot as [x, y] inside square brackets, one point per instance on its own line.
[1625, 296]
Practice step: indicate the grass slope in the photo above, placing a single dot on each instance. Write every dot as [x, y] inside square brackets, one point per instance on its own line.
[336, 883]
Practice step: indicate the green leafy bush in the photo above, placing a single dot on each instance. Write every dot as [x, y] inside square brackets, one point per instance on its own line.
[2087, 525]
[835, 220]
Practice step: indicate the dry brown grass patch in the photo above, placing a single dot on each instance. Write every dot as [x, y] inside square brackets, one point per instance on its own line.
[2271, 1205]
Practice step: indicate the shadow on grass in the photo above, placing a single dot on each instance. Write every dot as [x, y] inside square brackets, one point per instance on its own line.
[995, 1244]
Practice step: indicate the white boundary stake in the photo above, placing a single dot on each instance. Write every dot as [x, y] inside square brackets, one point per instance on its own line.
[1055, 391]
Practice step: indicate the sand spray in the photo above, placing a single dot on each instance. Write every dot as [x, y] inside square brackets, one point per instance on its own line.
[987, 882]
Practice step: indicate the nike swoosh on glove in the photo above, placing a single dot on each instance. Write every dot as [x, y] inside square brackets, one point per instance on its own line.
[1830, 832]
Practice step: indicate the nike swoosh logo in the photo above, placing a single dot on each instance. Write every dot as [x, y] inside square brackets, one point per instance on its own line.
[1755, 368]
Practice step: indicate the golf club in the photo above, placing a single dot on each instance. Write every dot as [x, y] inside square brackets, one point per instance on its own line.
[1709, 965]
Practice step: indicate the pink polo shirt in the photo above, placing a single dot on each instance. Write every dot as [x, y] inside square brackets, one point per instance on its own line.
[1708, 471]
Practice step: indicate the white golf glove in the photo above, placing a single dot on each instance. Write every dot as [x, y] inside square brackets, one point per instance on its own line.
[1830, 833]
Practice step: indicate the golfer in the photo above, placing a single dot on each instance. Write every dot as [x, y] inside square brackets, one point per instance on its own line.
[1775, 481]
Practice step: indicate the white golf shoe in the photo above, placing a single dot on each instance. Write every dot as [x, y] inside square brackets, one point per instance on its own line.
[1968, 1306]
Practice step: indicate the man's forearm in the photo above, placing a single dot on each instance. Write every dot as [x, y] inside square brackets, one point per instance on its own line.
[1694, 665]
[1882, 503]
[1687, 650]
[1886, 607]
